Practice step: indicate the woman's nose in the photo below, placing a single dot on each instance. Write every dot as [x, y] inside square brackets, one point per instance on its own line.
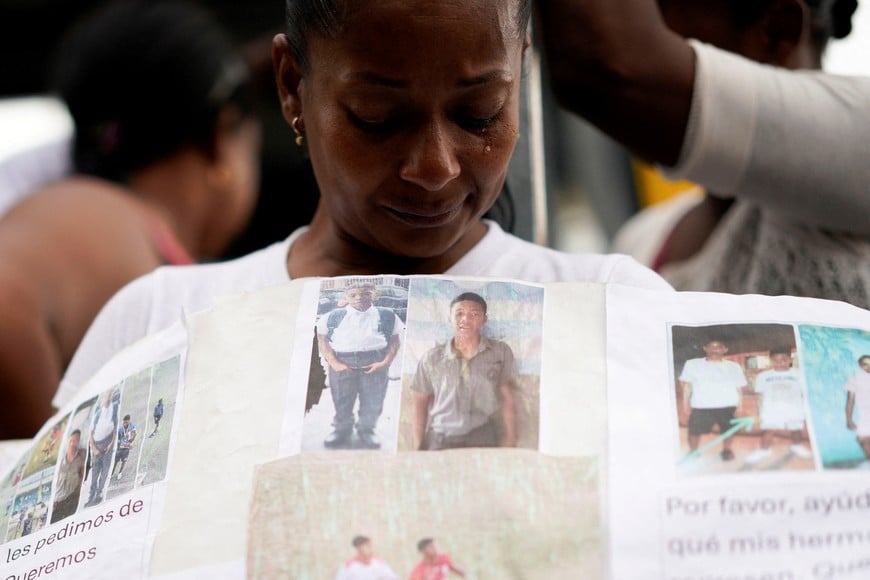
[432, 161]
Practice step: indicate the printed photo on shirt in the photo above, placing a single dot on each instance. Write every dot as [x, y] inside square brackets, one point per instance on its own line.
[155, 427]
[354, 382]
[361, 515]
[472, 369]
[740, 399]
[73, 461]
[29, 487]
[101, 447]
[128, 440]
[838, 381]
[363, 562]
[31, 505]
[7, 497]
[46, 449]
[78, 461]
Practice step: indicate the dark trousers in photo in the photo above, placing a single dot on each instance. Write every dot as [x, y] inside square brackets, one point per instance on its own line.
[370, 389]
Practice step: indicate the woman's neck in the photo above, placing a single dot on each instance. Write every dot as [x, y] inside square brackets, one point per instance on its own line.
[324, 250]
[175, 189]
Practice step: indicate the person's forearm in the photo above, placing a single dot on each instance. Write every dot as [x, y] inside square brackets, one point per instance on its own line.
[615, 63]
[326, 351]
[686, 393]
[392, 350]
[850, 407]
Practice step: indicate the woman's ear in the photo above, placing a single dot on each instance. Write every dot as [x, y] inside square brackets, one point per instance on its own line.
[783, 33]
[288, 77]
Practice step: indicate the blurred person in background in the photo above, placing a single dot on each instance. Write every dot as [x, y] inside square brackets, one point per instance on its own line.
[166, 154]
[789, 146]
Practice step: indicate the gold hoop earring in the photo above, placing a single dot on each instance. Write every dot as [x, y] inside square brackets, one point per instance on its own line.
[300, 137]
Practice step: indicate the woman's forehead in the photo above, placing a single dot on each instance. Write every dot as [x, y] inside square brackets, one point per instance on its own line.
[403, 36]
[395, 44]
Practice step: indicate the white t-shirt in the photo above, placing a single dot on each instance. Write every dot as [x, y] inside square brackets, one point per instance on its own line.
[357, 331]
[782, 402]
[374, 570]
[105, 426]
[158, 299]
[715, 384]
[860, 385]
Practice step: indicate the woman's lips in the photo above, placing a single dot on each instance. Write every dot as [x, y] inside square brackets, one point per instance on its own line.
[426, 219]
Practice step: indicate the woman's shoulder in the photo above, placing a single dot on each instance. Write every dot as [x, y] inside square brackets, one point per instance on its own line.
[75, 242]
[78, 217]
[501, 254]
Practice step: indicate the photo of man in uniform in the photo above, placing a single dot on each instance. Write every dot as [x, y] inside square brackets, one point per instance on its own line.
[69, 478]
[711, 388]
[464, 388]
[358, 343]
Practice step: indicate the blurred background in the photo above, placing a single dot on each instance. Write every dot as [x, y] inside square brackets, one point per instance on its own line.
[571, 187]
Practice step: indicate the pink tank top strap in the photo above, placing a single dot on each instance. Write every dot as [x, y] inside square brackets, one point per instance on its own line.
[167, 245]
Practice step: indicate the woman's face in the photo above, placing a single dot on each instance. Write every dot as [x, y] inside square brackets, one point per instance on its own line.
[410, 118]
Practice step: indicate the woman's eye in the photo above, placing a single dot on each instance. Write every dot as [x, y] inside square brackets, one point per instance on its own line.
[476, 121]
[373, 125]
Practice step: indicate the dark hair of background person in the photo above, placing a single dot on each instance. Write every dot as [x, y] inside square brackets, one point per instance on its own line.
[123, 124]
[29, 35]
[830, 18]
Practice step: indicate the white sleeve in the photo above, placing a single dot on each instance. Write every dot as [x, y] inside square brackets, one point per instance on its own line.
[793, 141]
[321, 323]
[687, 376]
[121, 322]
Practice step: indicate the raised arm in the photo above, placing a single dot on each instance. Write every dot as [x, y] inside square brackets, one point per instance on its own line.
[615, 63]
[793, 140]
